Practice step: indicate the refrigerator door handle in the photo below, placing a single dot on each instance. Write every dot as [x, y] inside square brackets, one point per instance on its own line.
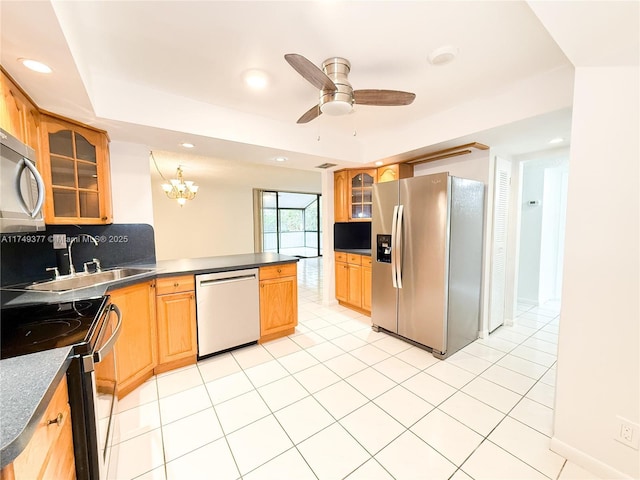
[398, 248]
[393, 247]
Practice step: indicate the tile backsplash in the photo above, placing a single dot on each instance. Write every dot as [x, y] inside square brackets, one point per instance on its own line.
[24, 257]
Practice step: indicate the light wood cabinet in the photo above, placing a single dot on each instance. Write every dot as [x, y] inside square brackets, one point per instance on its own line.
[176, 320]
[278, 301]
[353, 194]
[353, 190]
[49, 453]
[75, 166]
[342, 277]
[136, 348]
[18, 114]
[341, 196]
[353, 281]
[395, 171]
[366, 283]
[361, 194]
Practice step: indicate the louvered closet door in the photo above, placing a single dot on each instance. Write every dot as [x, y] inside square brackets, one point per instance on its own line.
[502, 187]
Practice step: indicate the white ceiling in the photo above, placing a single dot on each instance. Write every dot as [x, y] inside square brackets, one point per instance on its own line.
[163, 72]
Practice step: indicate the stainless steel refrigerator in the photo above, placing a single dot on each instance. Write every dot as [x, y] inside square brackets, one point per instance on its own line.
[427, 269]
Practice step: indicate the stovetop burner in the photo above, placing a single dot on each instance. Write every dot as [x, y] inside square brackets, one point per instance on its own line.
[47, 330]
[43, 326]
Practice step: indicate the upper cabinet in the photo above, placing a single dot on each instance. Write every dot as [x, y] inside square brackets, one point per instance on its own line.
[396, 171]
[18, 114]
[361, 193]
[75, 165]
[341, 196]
[73, 158]
[353, 190]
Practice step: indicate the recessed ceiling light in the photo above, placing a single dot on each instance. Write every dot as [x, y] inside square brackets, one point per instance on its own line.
[379, 163]
[187, 145]
[280, 159]
[35, 65]
[256, 79]
[557, 140]
[443, 55]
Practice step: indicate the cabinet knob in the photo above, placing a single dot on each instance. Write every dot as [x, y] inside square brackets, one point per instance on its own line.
[57, 420]
[176, 284]
[279, 270]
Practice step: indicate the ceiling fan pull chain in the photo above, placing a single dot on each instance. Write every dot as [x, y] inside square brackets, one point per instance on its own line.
[355, 121]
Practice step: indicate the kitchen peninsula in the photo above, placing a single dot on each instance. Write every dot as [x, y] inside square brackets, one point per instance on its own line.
[277, 318]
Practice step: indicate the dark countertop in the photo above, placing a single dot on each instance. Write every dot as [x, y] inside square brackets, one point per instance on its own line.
[220, 264]
[358, 251]
[28, 382]
[163, 268]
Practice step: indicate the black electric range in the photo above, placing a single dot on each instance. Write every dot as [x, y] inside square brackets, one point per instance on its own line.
[37, 327]
[91, 326]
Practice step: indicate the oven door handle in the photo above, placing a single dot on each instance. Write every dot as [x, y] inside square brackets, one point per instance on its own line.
[108, 346]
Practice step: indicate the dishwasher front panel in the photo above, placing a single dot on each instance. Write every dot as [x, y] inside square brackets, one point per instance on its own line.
[228, 310]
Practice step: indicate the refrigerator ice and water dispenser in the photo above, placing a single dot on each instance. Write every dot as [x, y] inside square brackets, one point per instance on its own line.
[383, 243]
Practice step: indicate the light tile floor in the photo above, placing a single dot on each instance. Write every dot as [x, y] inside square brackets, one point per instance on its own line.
[337, 400]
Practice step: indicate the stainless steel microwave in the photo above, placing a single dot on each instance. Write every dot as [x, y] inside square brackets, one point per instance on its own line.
[21, 187]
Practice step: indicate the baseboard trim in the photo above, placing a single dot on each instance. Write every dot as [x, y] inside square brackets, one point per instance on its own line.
[586, 461]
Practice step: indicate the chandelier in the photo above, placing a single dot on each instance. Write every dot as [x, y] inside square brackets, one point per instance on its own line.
[180, 189]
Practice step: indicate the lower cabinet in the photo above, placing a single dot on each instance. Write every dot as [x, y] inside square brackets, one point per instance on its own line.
[366, 283]
[49, 453]
[176, 318]
[353, 281]
[136, 348]
[278, 301]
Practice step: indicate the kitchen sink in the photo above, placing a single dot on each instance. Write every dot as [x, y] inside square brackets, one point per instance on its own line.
[82, 280]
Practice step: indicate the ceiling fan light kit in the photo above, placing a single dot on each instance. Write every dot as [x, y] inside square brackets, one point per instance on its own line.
[337, 101]
[337, 96]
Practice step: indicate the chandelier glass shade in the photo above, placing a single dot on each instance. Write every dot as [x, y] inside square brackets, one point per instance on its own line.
[180, 189]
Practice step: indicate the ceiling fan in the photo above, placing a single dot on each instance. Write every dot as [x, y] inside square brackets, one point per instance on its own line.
[337, 97]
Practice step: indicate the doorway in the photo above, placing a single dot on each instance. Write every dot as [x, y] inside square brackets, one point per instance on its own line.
[542, 225]
[291, 223]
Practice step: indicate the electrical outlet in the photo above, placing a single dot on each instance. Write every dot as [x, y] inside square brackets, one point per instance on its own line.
[627, 432]
[59, 241]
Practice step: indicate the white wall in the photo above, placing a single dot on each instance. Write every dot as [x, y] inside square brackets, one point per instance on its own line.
[553, 222]
[475, 166]
[130, 185]
[219, 221]
[541, 236]
[530, 233]
[328, 263]
[598, 374]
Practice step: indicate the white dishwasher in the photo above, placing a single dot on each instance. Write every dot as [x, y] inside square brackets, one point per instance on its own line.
[228, 310]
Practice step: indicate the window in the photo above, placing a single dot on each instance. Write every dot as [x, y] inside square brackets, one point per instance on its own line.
[290, 223]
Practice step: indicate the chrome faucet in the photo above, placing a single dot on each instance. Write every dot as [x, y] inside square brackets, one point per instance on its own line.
[72, 269]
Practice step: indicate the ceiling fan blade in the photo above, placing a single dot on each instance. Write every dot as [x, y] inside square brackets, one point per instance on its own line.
[310, 72]
[310, 114]
[384, 98]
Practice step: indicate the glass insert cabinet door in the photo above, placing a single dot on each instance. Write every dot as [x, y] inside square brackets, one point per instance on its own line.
[78, 187]
[361, 194]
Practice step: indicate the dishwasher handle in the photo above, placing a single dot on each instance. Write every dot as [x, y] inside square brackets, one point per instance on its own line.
[220, 281]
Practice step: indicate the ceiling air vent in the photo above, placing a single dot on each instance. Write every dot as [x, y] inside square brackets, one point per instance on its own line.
[327, 165]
